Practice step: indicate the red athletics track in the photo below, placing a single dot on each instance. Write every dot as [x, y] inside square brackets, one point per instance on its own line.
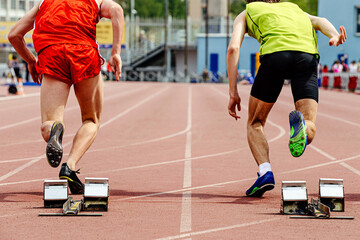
[178, 166]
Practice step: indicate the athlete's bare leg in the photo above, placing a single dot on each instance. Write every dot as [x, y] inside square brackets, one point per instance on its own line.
[53, 98]
[258, 113]
[308, 107]
[89, 93]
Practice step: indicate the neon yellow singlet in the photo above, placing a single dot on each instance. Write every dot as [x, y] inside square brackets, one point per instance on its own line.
[280, 27]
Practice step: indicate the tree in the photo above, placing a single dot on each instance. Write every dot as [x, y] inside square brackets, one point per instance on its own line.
[309, 6]
[155, 8]
[237, 6]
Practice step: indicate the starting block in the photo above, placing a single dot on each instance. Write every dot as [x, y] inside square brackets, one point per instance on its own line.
[294, 197]
[331, 194]
[55, 193]
[96, 194]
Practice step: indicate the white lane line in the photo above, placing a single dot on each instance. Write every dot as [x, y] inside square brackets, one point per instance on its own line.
[141, 166]
[354, 170]
[187, 162]
[185, 225]
[324, 115]
[323, 153]
[238, 181]
[19, 96]
[66, 110]
[133, 107]
[17, 160]
[185, 189]
[322, 164]
[282, 132]
[345, 165]
[192, 234]
[185, 222]
[339, 119]
[15, 171]
[319, 113]
[31, 141]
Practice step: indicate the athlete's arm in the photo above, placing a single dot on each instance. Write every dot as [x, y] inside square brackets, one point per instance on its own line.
[329, 30]
[113, 11]
[16, 38]
[232, 59]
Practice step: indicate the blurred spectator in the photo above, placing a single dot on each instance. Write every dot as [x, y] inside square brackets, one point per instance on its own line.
[16, 67]
[205, 75]
[110, 72]
[337, 67]
[345, 66]
[325, 69]
[353, 68]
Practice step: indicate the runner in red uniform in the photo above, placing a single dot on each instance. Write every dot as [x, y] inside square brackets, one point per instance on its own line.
[68, 54]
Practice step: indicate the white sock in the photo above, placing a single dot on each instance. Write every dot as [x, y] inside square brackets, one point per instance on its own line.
[264, 168]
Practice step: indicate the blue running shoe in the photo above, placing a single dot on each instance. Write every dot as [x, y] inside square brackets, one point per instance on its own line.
[262, 184]
[298, 137]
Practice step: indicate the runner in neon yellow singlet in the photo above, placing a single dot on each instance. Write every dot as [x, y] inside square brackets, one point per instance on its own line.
[289, 50]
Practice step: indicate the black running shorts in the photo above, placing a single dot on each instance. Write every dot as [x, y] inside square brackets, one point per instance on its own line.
[299, 67]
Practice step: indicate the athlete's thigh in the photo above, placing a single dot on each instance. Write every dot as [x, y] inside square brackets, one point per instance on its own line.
[304, 82]
[89, 93]
[53, 98]
[270, 77]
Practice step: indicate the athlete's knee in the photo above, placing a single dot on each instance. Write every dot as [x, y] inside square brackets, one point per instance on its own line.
[94, 122]
[45, 129]
[255, 123]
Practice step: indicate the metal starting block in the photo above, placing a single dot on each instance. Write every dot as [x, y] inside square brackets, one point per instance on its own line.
[55, 193]
[331, 193]
[294, 197]
[96, 194]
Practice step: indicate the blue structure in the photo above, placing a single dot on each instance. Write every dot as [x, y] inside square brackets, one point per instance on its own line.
[339, 13]
[217, 49]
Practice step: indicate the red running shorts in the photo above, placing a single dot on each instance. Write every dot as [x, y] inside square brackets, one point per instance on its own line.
[69, 63]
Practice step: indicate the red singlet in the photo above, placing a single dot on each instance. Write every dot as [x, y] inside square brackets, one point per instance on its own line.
[66, 21]
[60, 24]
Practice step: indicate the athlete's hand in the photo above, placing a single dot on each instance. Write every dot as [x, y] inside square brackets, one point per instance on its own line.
[337, 40]
[116, 65]
[34, 74]
[234, 103]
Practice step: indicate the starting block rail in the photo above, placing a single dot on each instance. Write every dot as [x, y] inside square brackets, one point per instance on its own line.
[71, 208]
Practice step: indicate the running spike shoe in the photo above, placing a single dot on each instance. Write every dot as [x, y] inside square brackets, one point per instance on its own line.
[262, 184]
[54, 149]
[298, 137]
[75, 185]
